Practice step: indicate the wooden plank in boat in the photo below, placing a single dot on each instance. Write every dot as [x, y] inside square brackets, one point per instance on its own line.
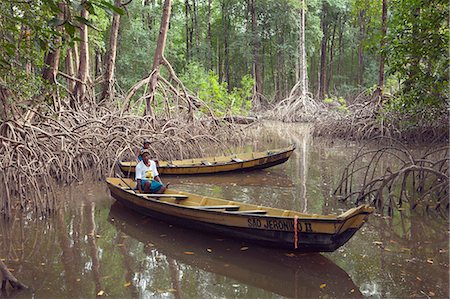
[218, 207]
[250, 212]
[177, 196]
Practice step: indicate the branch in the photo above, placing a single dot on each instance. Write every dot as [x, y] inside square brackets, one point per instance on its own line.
[8, 277]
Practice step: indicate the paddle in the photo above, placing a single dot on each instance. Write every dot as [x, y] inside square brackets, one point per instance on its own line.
[126, 184]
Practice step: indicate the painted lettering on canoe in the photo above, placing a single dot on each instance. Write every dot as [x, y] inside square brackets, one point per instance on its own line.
[278, 224]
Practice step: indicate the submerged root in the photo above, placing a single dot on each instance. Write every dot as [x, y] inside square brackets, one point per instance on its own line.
[419, 181]
[8, 277]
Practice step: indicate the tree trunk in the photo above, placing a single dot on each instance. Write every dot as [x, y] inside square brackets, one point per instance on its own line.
[209, 39]
[380, 87]
[76, 56]
[323, 68]
[331, 51]
[83, 67]
[256, 69]
[51, 59]
[323, 55]
[341, 50]
[98, 63]
[108, 84]
[51, 62]
[186, 6]
[225, 44]
[362, 36]
[69, 68]
[195, 28]
[302, 51]
[159, 54]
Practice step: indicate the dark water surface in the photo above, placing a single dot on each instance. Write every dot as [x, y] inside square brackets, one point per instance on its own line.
[98, 247]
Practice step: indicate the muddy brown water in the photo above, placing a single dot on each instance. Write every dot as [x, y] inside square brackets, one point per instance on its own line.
[99, 248]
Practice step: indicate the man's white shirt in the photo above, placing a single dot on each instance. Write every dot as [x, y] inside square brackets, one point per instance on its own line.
[146, 172]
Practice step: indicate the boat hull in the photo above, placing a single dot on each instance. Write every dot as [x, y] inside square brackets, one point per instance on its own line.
[292, 275]
[310, 235]
[244, 162]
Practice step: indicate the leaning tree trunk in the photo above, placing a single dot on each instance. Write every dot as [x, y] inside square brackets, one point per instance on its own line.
[108, 85]
[159, 54]
[83, 67]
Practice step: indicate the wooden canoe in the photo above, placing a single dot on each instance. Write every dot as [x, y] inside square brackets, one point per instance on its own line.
[289, 274]
[264, 225]
[238, 162]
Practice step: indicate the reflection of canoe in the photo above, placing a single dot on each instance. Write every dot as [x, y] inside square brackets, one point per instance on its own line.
[278, 271]
[238, 162]
[265, 225]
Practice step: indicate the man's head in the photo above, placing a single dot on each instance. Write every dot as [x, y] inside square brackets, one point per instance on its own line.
[146, 143]
[145, 155]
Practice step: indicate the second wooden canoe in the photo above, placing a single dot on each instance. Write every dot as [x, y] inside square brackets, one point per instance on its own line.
[238, 162]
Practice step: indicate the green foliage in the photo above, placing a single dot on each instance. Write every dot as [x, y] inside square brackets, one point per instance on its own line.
[338, 103]
[417, 52]
[30, 29]
[207, 87]
[137, 42]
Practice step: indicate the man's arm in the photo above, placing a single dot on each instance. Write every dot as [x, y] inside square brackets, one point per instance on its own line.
[138, 184]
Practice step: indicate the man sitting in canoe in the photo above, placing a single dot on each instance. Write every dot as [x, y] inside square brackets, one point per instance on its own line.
[147, 176]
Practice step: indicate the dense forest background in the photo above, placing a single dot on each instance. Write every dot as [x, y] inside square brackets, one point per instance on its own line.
[233, 54]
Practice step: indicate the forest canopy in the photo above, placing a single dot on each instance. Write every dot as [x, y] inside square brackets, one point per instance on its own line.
[226, 43]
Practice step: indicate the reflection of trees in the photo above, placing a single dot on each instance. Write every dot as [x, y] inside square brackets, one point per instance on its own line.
[300, 135]
[127, 262]
[174, 275]
[91, 235]
[67, 258]
[410, 241]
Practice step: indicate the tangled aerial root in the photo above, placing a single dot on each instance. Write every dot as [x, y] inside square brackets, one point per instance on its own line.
[8, 277]
[420, 181]
[37, 158]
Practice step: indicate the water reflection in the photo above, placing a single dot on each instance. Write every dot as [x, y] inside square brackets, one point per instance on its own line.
[80, 252]
[277, 271]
